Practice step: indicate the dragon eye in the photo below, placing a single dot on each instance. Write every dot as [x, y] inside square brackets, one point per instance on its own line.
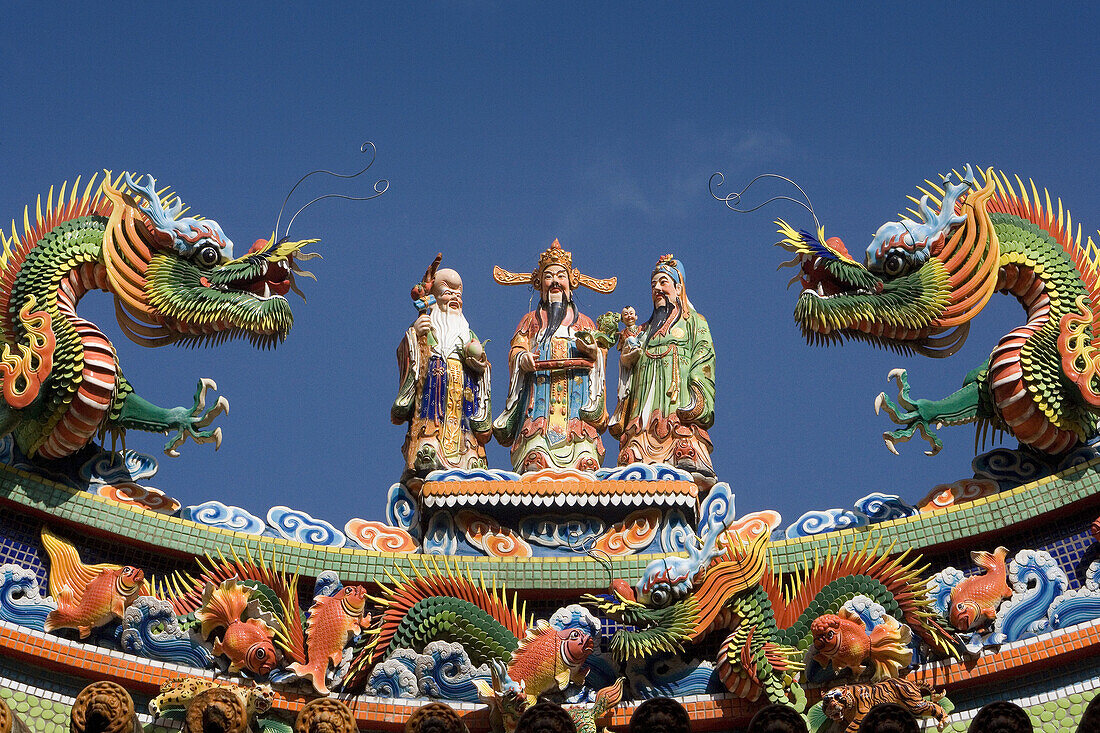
[660, 596]
[894, 264]
[208, 255]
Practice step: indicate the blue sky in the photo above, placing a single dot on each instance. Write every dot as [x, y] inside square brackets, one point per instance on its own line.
[502, 126]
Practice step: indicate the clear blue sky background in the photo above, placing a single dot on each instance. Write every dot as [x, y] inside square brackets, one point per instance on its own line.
[504, 125]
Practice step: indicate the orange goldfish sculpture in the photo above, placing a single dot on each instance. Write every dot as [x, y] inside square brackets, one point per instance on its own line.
[88, 596]
[246, 642]
[975, 599]
[332, 620]
[549, 657]
[841, 639]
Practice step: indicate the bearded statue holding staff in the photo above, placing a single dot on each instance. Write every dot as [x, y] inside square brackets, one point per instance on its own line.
[666, 381]
[444, 393]
[556, 406]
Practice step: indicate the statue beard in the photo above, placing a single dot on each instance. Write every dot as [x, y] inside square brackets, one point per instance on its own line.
[555, 315]
[661, 315]
[451, 328]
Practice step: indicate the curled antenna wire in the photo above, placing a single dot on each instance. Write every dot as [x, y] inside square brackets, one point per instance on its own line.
[380, 187]
[733, 200]
[576, 544]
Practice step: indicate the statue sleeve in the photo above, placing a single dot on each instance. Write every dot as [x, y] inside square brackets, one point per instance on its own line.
[507, 424]
[701, 376]
[409, 369]
[481, 422]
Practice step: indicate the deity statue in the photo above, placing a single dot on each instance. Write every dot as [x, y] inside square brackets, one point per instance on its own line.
[556, 408]
[444, 394]
[666, 380]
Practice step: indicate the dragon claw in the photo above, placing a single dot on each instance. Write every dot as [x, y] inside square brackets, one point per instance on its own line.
[908, 414]
[196, 422]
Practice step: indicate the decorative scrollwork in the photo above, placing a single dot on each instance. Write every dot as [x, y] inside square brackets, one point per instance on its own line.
[325, 715]
[660, 713]
[435, 717]
[777, 719]
[215, 711]
[1003, 717]
[889, 718]
[102, 707]
[546, 717]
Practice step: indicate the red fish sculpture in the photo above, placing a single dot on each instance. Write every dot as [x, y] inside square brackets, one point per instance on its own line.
[549, 658]
[841, 639]
[88, 596]
[245, 642]
[975, 599]
[332, 620]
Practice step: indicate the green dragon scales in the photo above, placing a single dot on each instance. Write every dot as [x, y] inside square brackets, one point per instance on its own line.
[174, 280]
[923, 281]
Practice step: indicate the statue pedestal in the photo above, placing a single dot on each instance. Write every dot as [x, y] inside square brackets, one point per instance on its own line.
[623, 511]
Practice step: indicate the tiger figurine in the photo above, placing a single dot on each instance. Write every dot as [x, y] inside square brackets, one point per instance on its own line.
[852, 702]
[176, 693]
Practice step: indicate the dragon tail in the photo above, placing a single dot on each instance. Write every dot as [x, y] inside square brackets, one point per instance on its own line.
[895, 582]
[442, 601]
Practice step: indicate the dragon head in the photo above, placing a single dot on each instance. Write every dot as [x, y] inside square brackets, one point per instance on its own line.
[664, 616]
[176, 280]
[921, 280]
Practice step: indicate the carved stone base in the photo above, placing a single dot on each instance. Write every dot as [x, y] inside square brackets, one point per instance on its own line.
[103, 707]
[889, 718]
[1002, 717]
[777, 719]
[215, 711]
[435, 717]
[546, 717]
[660, 714]
[325, 715]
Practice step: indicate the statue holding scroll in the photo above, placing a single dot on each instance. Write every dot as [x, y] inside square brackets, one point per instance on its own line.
[556, 407]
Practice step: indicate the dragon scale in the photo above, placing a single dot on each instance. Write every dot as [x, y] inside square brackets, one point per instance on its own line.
[174, 281]
[923, 281]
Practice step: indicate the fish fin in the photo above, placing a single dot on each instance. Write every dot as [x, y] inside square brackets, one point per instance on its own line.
[66, 596]
[336, 657]
[218, 649]
[562, 678]
[118, 605]
[579, 675]
[85, 631]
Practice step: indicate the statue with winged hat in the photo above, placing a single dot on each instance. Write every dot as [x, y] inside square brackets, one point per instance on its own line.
[556, 407]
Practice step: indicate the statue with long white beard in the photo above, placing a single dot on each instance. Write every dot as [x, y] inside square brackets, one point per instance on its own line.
[556, 408]
[666, 381]
[445, 389]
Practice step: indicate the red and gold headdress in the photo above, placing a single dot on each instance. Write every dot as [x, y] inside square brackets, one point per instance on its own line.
[554, 255]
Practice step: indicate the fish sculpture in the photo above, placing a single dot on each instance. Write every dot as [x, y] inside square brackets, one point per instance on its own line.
[88, 596]
[332, 621]
[975, 599]
[841, 640]
[246, 642]
[550, 658]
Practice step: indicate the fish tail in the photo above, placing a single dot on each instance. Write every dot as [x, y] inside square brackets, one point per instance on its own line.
[225, 605]
[314, 672]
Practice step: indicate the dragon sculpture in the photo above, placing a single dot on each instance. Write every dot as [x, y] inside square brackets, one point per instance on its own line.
[923, 280]
[766, 622]
[174, 279]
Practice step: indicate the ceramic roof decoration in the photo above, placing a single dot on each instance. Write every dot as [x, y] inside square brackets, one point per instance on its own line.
[556, 588]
